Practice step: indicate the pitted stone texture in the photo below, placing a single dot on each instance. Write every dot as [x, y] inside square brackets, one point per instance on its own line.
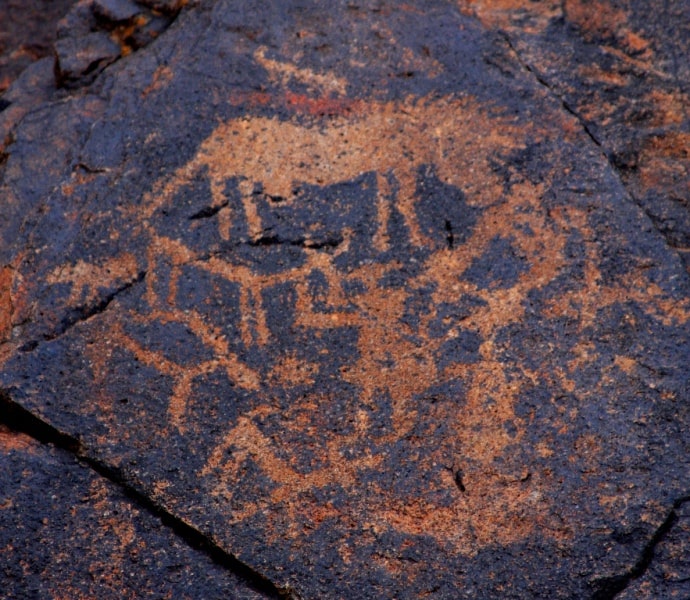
[622, 68]
[668, 575]
[67, 533]
[347, 289]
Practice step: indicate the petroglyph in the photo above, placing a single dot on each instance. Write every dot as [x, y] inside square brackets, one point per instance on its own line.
[283, 73]
[406, 342]
[388, 139]
[346, 292]
[398, 143]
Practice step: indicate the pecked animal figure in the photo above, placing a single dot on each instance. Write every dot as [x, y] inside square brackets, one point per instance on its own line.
[394, 140]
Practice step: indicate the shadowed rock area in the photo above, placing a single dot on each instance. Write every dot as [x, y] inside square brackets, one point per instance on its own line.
[366, 300]
[27, 33]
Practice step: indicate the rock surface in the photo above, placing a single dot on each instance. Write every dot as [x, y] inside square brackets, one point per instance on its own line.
[67, 532]
[27, 33]
[373, 297]
[622, 69]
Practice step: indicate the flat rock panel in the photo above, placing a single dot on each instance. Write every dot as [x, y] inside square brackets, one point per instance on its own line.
[349, 291]
[67, 533]
[622, 68]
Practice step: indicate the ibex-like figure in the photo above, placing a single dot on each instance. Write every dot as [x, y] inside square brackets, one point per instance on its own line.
[391, 139]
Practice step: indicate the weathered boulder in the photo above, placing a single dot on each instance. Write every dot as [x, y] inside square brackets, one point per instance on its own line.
[95, 33]
[27, 33]
[354, 295]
